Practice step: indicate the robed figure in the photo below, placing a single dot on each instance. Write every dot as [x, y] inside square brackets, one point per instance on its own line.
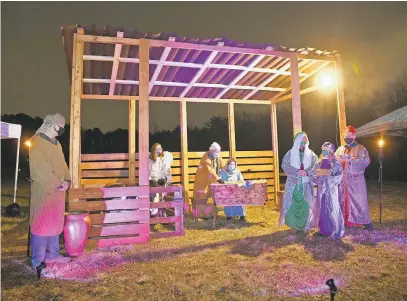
[298, 199]
[353, 191]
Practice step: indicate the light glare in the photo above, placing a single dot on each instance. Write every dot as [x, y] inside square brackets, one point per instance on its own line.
[326, 80]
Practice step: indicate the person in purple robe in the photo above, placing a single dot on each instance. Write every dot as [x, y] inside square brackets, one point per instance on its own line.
[353, 191]
[327, 173]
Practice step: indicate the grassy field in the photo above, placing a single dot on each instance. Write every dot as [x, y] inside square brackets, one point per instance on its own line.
[256, 260]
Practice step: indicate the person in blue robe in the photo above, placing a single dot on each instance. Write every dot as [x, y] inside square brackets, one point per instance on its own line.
[230, 173]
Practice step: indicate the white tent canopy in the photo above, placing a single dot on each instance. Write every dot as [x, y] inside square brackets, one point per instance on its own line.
[12, 131]
[393, 124]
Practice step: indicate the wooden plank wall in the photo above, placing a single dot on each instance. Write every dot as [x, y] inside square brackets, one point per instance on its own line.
[98, 170]
[114, 221]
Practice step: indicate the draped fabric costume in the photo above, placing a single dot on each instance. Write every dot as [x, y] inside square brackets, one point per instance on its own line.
[206, 174]
[161, 167]
[298, 199]
[327, 212]
[47, 170]
[233, 176]
[353, 190]
[159, 175]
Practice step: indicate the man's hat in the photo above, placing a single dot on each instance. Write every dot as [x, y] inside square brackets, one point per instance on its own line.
[351, 129]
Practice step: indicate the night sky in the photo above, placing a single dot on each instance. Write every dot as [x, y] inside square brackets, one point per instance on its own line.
[371, 36]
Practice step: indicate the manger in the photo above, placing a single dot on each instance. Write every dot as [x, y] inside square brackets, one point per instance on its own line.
[120, 65]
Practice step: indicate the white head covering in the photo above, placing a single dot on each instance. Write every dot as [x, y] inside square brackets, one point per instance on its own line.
[295, 159]
[215, 147]
[50, 120]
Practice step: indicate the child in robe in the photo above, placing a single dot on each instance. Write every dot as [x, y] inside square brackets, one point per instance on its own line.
[328, 215]
[231, 174]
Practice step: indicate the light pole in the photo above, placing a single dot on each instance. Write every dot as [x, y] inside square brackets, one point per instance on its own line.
[381, 156]
[28, 144]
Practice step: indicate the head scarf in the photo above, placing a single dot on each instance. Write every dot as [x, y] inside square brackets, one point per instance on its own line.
[49, 121]
[295, 159]
[329, 145]
[231, 172]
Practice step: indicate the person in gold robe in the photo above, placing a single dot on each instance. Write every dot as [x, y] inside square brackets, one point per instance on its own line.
[49, 181]
[208, 171]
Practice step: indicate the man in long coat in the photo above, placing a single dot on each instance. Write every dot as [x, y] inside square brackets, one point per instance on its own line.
[49, 181]
[352, 191]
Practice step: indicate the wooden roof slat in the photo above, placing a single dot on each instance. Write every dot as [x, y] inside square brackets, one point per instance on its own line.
[115, 67]
[321, 66]
[157, 71]
[122, 67]
[199, 73]
[269, 80]
[169, 63]
[240, 76]
[173, 73]
[161, 76]
[217, 75]
[270, 64]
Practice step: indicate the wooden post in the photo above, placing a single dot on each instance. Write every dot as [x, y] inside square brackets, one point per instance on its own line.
[296, 99]
[72, 109]
[340, 100]
[144, 111]
[179, 211]
[276, 162]
[132, 141]
[232, 134]
[184, 149]
[77, 76]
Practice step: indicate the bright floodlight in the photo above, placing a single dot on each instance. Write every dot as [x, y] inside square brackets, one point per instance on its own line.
[28, 143]
[326, 80]
[381, 143]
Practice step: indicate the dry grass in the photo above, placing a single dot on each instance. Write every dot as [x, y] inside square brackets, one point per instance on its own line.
[252, 261]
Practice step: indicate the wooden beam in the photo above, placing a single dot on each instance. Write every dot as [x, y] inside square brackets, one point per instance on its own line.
[72, 109]
[276, 162]
[132, 141]
[108, 40]
[240, 76]
[314, 57]
[108, 97]
[177, 84]
[316, 70]
[296, 99]
[144, 112]
[184, 150]
[340, 100]
[199, 73]
[270, 52]
[232, 134]
[76, 111]
[267, 81]
[115, 67]
[177, 99]
[289, 96]
[160, 65]
[188, 65]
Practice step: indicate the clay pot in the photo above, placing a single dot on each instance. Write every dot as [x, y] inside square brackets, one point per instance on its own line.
[76, 233]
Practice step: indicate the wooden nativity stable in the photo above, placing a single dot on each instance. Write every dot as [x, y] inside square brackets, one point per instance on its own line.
[108, 63]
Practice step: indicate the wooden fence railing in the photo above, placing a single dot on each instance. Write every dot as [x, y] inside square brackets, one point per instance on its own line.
[98, 170]
[121, 215]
